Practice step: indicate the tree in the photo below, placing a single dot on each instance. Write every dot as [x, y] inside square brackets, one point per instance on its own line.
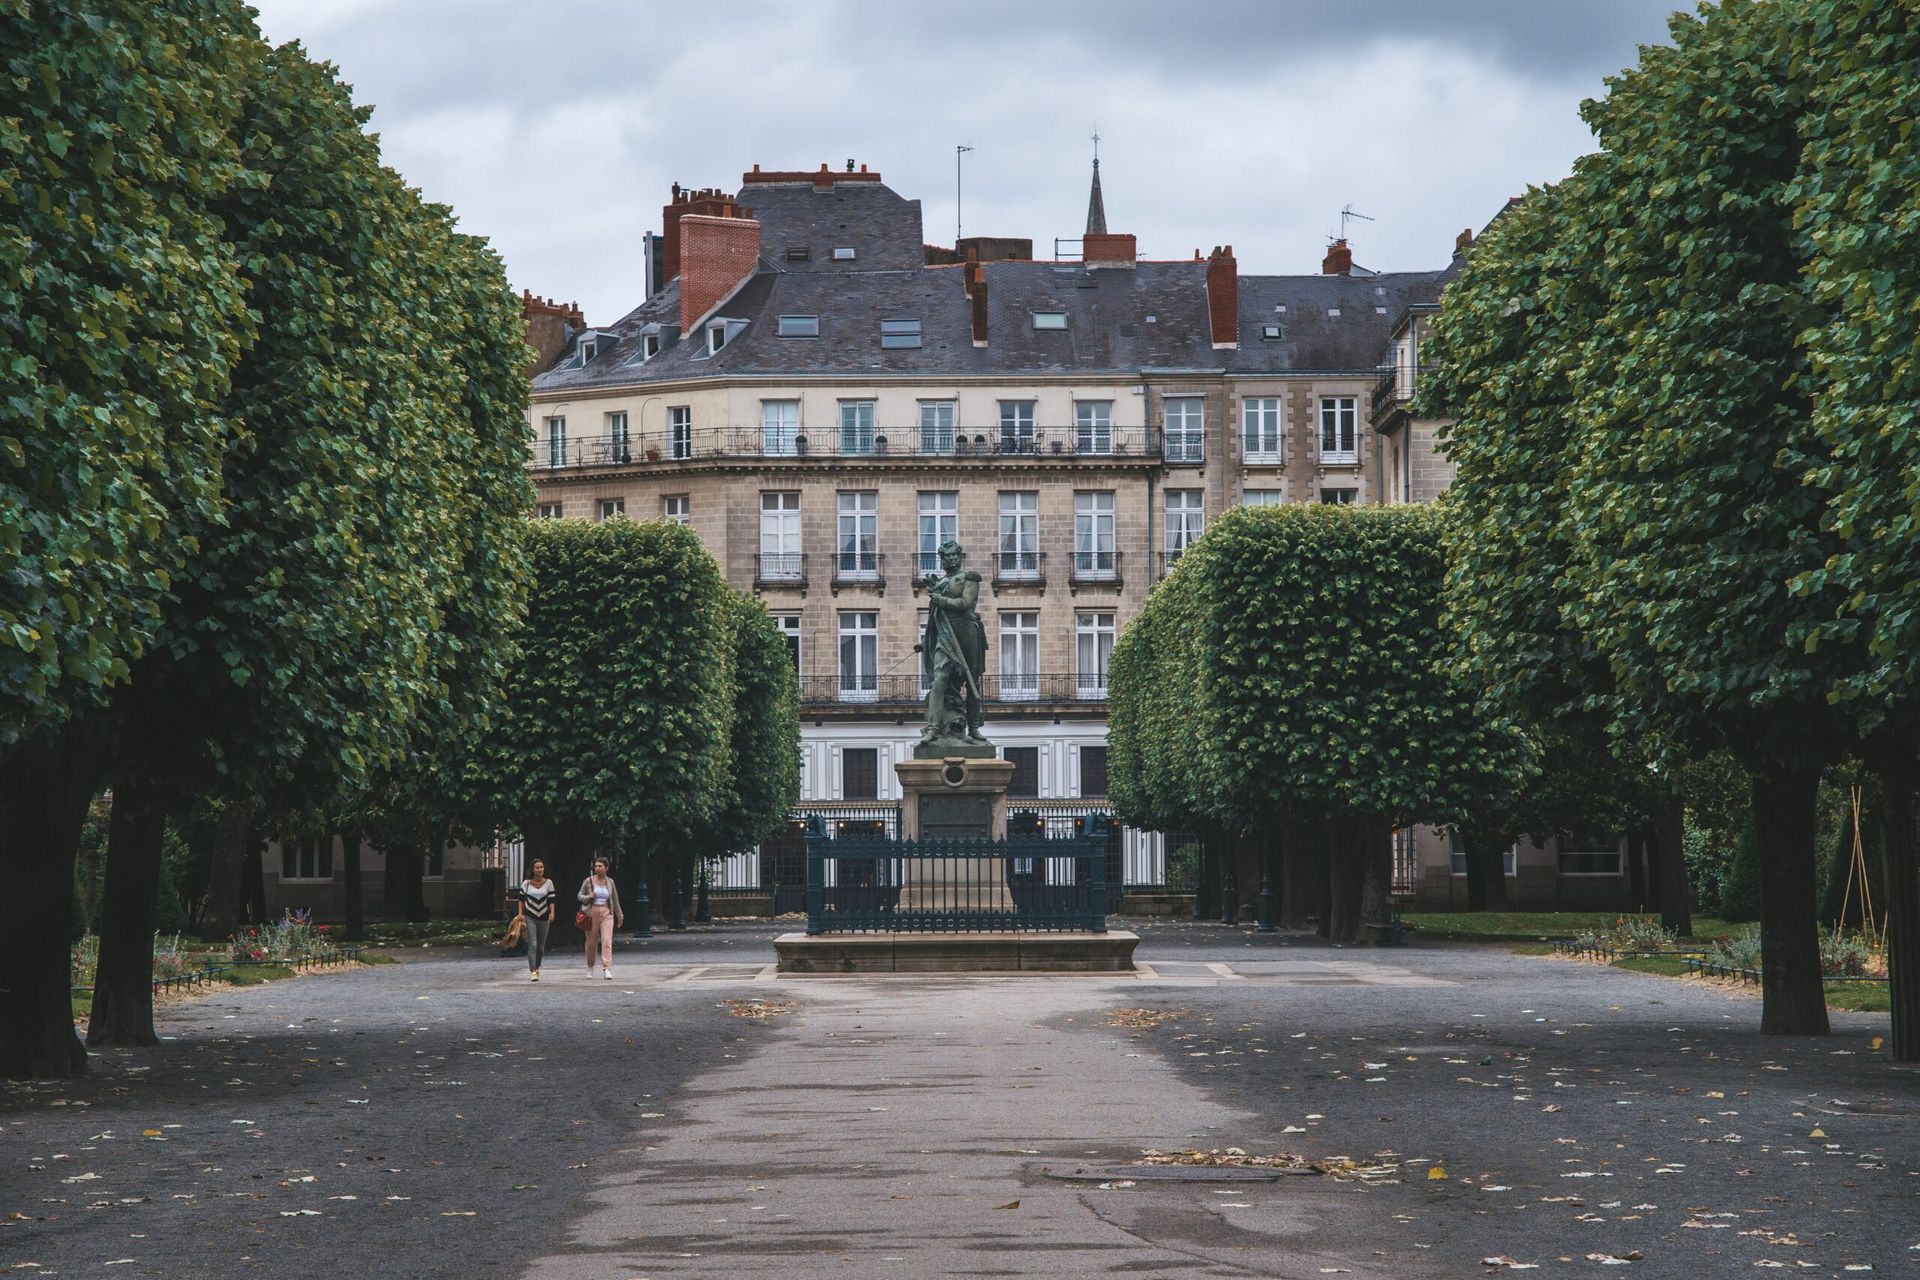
[762, 778]
[122, 311]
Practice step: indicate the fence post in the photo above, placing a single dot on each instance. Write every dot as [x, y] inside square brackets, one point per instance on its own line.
[816, 888]
[1100, 837]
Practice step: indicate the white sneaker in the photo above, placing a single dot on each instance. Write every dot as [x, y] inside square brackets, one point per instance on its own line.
[607, 974]
[536, 976]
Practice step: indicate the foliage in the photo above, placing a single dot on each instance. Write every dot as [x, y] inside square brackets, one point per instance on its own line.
[1740, 891]
[762, 778]
[293, 939]
[1740, 949]
[122, 313]
[1844, 955]
[1708, 854]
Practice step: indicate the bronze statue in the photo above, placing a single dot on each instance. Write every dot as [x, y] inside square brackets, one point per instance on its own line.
[954, 651]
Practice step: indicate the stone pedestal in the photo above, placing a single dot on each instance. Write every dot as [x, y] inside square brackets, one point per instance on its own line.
[954, 793]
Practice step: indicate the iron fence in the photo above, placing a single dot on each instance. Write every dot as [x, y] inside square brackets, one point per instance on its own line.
[634, 447]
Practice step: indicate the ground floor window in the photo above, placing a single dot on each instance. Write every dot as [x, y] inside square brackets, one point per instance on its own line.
[860, 773]
[1025, 783]
[1457, 858]
[308, 859]
[1587, 854]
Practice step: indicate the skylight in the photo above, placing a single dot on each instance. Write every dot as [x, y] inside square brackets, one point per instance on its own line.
[1049, 319]
[899, 334]
[799, 326]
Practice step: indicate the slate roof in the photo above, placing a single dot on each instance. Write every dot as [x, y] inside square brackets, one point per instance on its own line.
[882, 228]
[1313, 338]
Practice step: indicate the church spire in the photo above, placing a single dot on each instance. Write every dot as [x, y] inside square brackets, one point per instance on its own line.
[1096, 206]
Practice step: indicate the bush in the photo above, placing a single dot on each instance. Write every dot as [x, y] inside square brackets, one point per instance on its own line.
[1741, 949]
[1740, 894]
[1843, 955]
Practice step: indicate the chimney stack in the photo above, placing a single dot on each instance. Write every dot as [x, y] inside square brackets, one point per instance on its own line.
[1339, 260]
[1223, 298]
[717, 256]
[1103, 249]
[710, 202]
[546, 324]
[976, 290]
[1463, 241]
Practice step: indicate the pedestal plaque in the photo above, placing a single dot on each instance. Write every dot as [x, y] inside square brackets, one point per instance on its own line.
[948, 795]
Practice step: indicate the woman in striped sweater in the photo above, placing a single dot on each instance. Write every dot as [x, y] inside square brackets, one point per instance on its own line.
[536, 910]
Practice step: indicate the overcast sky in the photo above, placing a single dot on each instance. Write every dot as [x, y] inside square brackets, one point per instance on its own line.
[557, 129]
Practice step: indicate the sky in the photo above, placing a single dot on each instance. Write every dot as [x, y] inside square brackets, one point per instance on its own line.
[556, 130]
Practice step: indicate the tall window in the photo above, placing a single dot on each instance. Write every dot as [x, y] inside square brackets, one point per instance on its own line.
[789, 624]
[859, 534]
[617, 438]
[936, 426]
[1186, 428]
[1025, 783]
[856, 426]
[1093, 555]
[779, 427]
[1093, 771]
[676, 508]
[1339, 430]
[1093, 426]
[780, 536]
[859, 657]
[1019, 656]
[859, 773]
[680, 431]
[939, 522]
[1016, 426]
[1093, 651]
[556, 442]
[612, 508]
[1185, 520]
[1019, 535]
[1260, 428]
[307, 859]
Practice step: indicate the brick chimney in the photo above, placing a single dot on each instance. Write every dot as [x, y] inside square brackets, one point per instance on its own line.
[976, 286]
[1223, 297]
[1339, 260]
[717, 256]
[708, 202]
[546, 323]
[1463, 241]
[1103, 249]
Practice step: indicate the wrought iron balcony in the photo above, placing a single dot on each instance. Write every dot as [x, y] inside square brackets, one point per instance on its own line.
[906, 689]
[1019, 569]
[665, 445]
[780, 569]
[1096, 567]
[858, 569]
[1394, 389]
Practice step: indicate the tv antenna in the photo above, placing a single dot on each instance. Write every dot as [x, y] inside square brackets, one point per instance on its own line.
[958, 152]
[1347, 215]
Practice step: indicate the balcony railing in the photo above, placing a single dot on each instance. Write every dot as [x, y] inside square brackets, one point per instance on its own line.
[780, 569]
[858, 568]
[982, 443]
[1170, 558]
[900, 689]
[1395, 387]
[1096, 566]
[1020, 568]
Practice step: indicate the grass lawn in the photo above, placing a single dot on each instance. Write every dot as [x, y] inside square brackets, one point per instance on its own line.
[1532, 926]
[1857, 997]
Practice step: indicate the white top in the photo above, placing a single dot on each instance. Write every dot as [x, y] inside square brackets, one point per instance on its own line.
[600, 892]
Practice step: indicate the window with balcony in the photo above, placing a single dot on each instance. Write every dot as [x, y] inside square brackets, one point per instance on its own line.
[1093, 426]
[779, 427]
[859, 543]
[1186, 429]
[556, 442]
[1016, 426]
[1260, 428]
[617, 450]
[899, 335]
[1186, 518]
[936, 426]
[1093, 549]
[1019, 535]
[676, 508]
[680, 432]
[1339, 431]
[798, 327]
[780, 537]
[859, 657]
[612, 508]
[1019, 656]
[856, 426]
[939, 522]
[859, 773]
[1093, 652]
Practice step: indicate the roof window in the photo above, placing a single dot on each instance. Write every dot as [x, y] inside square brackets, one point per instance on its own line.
[1272, 332]
[799, 326]
[1049, 319]
[1333, 313]
[589, 348]
[899, 334]
[649, 345]
[799, 254]
[843, 254]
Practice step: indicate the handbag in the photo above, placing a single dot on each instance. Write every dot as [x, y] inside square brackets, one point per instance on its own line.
[580, 918]
[516, 931]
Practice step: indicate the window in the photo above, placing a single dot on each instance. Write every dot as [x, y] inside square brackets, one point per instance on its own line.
[859, 535]
[1272, 332]
[1185, 520]
[859, 773]
[434, 865]
[780, 536]
[548, 511]
[1457, 858]
[649, 345]
[859, 657]
[1093, 555]
[1093, 651]
[1049, 319]
[676, 508]
[1019, 535]
[617, 438]
[900, 335]
[1016, 426]
[1025, 782]
[799, 327]
[1260, 428]
[936, 426]
[716, 337]
[843, 254]
[556, 442]
[680, 431]
[1262, 498]
[1019, 657]
[1093, 426]
[789, 624]
[856, 426]
[307, 859]
[1338, 497]
[1589, 854]
[779, 427]
[612, 508]
[1093, 771]
[589, 348]
[939, 522]
[1339, 443]
[1186, 428]
[799, 254]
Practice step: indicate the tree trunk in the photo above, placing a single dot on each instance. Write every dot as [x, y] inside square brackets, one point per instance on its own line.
[406, 897]
[1793, 996]
[1487, 863]
[1900, 880]
[1637, 871]
[123, 983]
[1668, 837]
[45, 788]
[1375, 853]
[1345, 873]
[1322, 874]
[1203, 882]
[233, 843]
[1477, 886]
[676, 886]
[355, 892]
[253, 887]
[1296, 875]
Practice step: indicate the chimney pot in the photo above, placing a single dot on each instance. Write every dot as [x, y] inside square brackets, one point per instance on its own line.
[1462, 241]
[1339, 260]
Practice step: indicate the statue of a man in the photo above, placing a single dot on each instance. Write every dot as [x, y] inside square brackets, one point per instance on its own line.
[954, 651]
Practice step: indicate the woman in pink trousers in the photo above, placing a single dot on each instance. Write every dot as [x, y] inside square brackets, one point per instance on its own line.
[600, 901]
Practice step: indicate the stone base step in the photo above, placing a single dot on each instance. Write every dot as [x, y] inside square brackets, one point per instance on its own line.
[1110, 952]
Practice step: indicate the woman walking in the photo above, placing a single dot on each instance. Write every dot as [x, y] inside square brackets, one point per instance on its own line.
[536, 914]
[600, 901]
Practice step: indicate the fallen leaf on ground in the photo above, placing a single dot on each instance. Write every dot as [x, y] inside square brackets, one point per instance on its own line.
[757, 1009]
[1142, 1017]
[1011, 1204]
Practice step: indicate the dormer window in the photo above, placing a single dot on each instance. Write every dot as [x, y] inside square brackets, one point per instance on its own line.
[799, 326]
[1049, 319]
[716, 337]
[589, 348]
[899, 334]
[649, 345]
[843, 254]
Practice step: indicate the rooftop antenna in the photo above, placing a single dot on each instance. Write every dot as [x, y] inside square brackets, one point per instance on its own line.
[1347, 214]
[958, 151]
